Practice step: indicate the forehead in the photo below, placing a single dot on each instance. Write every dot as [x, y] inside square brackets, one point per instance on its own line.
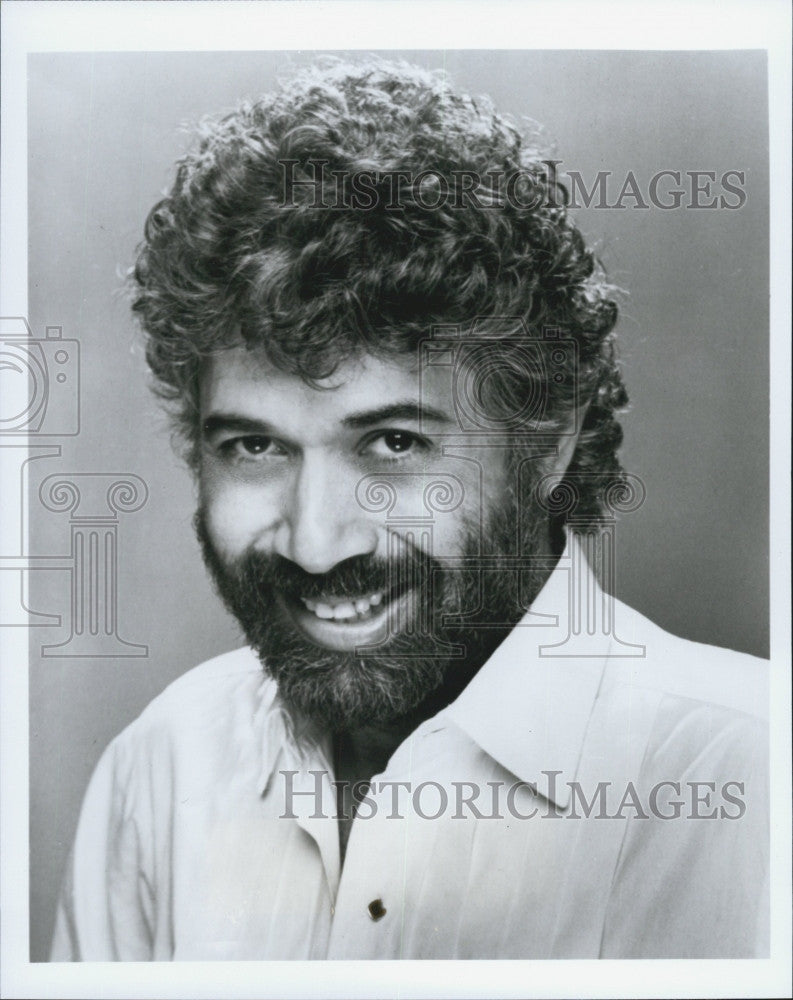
[240, 379]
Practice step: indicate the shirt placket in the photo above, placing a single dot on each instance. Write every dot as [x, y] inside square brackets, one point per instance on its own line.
[368, 919]
[311, 800]
[372, 911]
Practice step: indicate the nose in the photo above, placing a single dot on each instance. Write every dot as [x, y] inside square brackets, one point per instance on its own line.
[321, 524]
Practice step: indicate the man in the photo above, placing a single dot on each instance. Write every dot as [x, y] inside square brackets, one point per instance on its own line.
[392, 362]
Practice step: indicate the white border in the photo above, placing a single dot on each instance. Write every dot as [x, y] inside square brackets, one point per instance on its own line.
[283, 24]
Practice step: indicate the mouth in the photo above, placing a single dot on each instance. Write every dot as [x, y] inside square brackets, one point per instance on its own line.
[344, 623]
[344, 609]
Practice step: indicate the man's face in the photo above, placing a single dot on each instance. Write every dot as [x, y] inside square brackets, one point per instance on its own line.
[343, 537]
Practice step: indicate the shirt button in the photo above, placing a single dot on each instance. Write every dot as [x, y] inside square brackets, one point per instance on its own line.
[376, 909]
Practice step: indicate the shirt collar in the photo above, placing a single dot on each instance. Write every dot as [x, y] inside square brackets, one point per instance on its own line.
[286, 739]
[528, 706]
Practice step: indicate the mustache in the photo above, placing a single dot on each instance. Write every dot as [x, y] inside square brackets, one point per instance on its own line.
[356, 576]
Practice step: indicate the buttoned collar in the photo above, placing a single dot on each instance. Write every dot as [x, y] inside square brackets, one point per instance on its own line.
[527, 707]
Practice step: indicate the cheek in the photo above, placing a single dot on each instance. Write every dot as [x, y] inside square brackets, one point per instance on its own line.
[237, 516]
[486, 485]
[449, 535]
[452, 519]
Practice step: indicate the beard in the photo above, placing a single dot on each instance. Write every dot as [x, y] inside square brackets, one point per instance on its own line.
[451, 617]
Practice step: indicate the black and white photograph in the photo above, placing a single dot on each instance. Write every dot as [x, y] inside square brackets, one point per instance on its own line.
[395, 465]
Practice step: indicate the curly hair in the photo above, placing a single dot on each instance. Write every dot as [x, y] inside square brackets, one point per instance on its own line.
[245, 250]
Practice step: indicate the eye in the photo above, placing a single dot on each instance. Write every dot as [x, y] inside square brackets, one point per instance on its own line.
[394, 445]
[398, 441]
[251, 447]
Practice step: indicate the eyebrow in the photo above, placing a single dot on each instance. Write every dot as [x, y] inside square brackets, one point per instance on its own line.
[401, 410]
[233, 422]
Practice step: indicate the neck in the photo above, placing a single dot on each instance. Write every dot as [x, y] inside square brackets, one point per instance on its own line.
[365, 750]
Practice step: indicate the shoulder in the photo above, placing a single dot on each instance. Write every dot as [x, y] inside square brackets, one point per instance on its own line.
[208, 709]
[227, 672]
[681, 668]
[707, 706]
[691, 871]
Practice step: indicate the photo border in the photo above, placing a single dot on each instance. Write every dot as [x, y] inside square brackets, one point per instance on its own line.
[169, 26]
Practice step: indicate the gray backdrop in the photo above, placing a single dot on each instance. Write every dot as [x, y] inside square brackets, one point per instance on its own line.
[694, 335]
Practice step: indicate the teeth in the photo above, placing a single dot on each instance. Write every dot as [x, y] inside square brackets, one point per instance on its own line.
[342, 609]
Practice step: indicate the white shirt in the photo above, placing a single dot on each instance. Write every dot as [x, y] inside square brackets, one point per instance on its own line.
[189, 846]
